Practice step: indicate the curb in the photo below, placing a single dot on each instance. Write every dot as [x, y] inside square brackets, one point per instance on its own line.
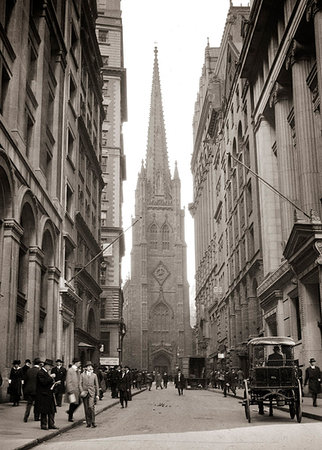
[304, 414]
[55, 433]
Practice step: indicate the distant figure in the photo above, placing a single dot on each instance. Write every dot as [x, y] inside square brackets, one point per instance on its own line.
[24, 370]
[313, 377]
[15, 382]
[180, 382]
[276, 358]
[124, 386]
[149, 380]
[165, 380]
[158, 380]
[240, 378]
[60, 375]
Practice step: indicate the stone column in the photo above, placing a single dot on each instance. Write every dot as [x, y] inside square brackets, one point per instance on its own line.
[279, 313]
[9, 284]
[33, 302]
[308, 167]
[53, 318]
[269, 201]
[285, 157]
[314, 11]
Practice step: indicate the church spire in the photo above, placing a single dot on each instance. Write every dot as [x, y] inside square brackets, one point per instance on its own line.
[157, 165]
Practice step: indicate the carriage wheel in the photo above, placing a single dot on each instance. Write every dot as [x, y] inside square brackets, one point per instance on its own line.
[298, 403]
[292, 409]
[247, 402]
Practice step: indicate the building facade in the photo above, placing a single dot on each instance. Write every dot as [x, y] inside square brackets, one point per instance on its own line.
[156, 297]
[110, 38]
[50, 178]
[257, 136]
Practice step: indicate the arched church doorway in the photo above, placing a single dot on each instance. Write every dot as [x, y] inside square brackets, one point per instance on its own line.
[161, 363]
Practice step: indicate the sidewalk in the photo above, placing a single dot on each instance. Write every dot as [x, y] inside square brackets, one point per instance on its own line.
[308, 409]
[16, 434]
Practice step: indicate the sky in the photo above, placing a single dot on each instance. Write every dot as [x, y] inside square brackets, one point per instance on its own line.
[179, 28]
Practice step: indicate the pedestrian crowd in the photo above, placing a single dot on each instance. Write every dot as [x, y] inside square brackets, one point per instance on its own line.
[45, 386]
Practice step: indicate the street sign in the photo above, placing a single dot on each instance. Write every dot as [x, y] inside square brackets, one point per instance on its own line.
[109, 361]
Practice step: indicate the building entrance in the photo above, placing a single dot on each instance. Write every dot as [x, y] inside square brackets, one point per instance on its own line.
[161, 364]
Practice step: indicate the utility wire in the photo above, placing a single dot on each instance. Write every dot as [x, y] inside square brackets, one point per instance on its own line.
[103, 250]
[268, 185]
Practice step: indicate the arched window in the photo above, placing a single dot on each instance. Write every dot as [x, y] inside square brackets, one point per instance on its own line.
[153, 236]
[165, 237]
[161, 323]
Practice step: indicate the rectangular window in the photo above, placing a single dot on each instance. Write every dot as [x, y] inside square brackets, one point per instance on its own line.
[5, 78]
[105, 343]
[69, 199]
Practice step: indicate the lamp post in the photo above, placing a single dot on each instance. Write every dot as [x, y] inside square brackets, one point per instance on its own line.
[122, 333]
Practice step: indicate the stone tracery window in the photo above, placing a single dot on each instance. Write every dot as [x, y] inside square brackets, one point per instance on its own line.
[165, 237]
[153, 236]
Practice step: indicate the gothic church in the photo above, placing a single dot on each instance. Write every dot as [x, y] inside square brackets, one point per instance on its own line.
[156, 298]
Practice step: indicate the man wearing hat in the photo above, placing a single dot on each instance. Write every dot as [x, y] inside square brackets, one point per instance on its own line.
[31, 390]
[15, 382]
[60, 375]
[313, 377]
[89, 393]
[45, 396]
[276, 358]
[72, 388]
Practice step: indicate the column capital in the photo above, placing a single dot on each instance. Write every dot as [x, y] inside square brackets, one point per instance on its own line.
[312, 7]
[36, 254]
[11, 226]
[318, 246]
[297, 52]
[278, 94]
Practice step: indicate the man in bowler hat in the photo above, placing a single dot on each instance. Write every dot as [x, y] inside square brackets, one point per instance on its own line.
[60, 375]
[31, 390]
[45, 396]
[313, 377]
[72, 387]
[89, 393]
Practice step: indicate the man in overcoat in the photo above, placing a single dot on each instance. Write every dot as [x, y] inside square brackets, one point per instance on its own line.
[73, 388]
[45, 396]
[124, 386]
[31, 390]
[313, 377]
[89, 392]
[180, 382]
[60, 375]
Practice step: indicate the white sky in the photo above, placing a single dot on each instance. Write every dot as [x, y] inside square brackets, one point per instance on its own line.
[180, 29]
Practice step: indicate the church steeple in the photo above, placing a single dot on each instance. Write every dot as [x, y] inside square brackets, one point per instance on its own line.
[157, 165]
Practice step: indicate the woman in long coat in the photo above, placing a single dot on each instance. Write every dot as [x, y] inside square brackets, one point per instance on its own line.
[15, 379]
[313, 377]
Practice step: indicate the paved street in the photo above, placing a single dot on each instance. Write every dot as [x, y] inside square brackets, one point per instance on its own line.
[160, 419]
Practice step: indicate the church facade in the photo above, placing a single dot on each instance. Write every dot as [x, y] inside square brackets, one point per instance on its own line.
[156, 298]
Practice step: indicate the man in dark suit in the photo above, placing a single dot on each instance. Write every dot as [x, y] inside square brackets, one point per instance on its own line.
[313, 376]
[124, 386]
[31, 389]
[45, 396]
[276, 358]
[180, 382]
[60, 375]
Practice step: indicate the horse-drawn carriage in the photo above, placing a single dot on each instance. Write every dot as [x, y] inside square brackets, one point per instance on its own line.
[273, 377]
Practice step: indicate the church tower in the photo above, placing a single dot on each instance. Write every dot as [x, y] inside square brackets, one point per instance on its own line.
[156, 298]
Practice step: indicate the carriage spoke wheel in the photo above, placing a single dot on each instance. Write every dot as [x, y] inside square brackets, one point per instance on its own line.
[292, 405]
[247, 402]
[298, 403]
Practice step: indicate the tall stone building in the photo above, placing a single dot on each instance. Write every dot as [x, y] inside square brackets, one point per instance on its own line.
[225, 211]
[258, 231]
[157, 295]
[50, 181]
[110, 38]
